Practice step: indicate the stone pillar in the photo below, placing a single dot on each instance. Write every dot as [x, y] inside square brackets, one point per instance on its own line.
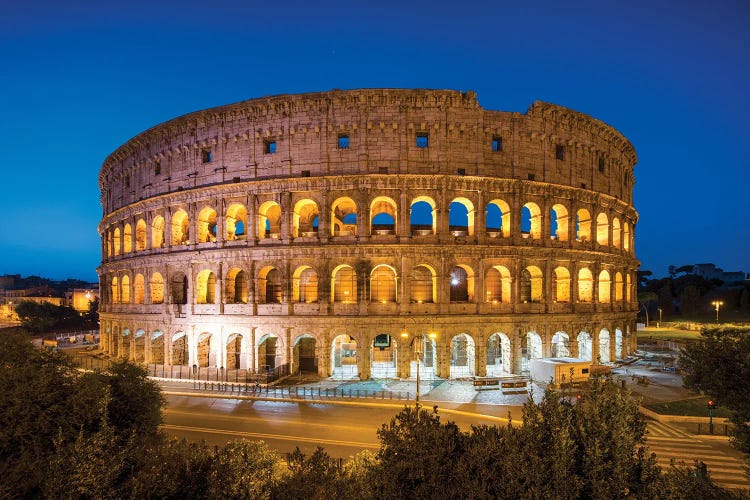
[324, 217]
[403, 229]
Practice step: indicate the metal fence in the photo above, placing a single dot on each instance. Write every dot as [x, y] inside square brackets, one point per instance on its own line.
[299, 392]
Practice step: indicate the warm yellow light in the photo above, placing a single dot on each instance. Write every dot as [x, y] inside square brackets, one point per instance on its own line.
[404, 334]
[432, 335]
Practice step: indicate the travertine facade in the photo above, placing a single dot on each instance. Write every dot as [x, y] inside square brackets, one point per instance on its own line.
[325, 231]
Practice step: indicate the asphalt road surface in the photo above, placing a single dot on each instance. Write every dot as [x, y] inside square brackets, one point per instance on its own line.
[342, 430]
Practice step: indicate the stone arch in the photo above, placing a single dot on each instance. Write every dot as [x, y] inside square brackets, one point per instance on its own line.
[139, 347]
[235, 222]
[269, 220]
[618, 287]
[115, 290]
[422, 216]
[206, 349]
[605, 286]
[157, 232]
[618, 343]
[383, 280]
[584, 346]
[109, 244]
[604, 346]
[560, 347]
[304, 354]
[116, 241]
[236, 352]
[344, 217]
[616, 233]
[463, 359]
[305, 285]
[344, 357]
[139, 289]
[270, 286]
[384, 356]
[125, 289]
[180, 349]
[585, 285]
[497, 219]
[531, 221]
[461, 281]
[602, 229]
[423, 285]
[583, 225]
[383, 215]
[126, 340]
[156, 349]
[497, 282]
[115, 351]
[305, 218]
[531, 348]
[531, 285]
[180, 228]
[178, 288]
[207, 221]
[498, 355]
[344, 284]
[561, 284]
[140, 235]
[559, 222]
[461, 217]
[205, 287]
[127, 238]
[236, 286]
[627, 288]
[626, 236]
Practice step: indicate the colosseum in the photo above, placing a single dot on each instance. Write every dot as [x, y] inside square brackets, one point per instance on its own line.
[334, 232]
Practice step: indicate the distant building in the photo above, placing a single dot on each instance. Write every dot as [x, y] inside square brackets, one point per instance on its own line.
[711, 272]
[79, 298]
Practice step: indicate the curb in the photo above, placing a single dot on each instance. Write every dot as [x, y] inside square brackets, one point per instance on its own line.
[679, 418]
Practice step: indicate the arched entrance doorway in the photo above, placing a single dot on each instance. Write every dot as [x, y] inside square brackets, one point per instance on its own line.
[498, 355]
[584, 346]
[125, 353]
[462, 356]
[618, 343]
[304, 354]
[267, 353]
[157, 348]
[180, 349]
[604, 346]
[560, 345]
[206, 352]
[140, 346]
[532, 349]
[234, 352]
[383, 357]
[344, 357]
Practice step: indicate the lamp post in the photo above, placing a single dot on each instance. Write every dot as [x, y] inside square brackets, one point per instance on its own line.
[717, 304]
[659, 323]
[417, 346]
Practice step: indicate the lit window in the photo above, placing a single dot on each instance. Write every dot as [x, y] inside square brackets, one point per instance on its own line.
[423, 140]
[343, 141]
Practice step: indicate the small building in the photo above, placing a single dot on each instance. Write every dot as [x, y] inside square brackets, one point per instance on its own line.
[79, 298]
[559, 371]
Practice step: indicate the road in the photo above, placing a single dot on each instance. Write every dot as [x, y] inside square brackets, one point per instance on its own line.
[341, 429]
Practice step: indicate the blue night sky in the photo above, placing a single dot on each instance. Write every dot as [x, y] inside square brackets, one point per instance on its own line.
[79, 78]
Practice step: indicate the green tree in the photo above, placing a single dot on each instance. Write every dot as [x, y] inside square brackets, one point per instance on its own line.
[689, 300]
[245, 469]
[719, 365]
[315, 477]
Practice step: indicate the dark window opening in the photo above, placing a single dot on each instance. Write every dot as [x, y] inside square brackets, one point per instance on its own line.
[601, 164]
[532, 177]
[127, 181]
[343, 141]
[461, 171]
[583, 185]
[305, 173]
[206, 156]
[423, 140]
[584, 370]
[382, 170]
[269, 147]
[157, 168]
[560, 152]
[497, 144]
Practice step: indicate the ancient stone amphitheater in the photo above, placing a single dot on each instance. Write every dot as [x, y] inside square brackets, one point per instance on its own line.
[339, 232]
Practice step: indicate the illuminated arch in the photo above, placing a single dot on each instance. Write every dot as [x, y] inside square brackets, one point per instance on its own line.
[423, 285]
[604, 346]
[344, 357]
[497, 219]
[559, 222]
[422, 216]
[207, 225]
[383, 215]
[531, 221]
[560, 347]
[125, 289]
[269, 286]
[561, 285]
[605, 287]
[235, 222]
[384, 356]
[205, 287]
[115, 290]
[344, 284]
[583, 225]
[616, 233]
[584, 346]
[127, 239]
[138, 289]
[305, 285]
[585, 285]
[461, 217]
[383, 284]
[140, 235]
[602, 229]
[531, 285]
[461, 282]
[343, 217]
[236, 286]
[157, 232]
[497, 282]
[157, 288]
[269, 220]
[626, 236]
[180, 228]
[180, 349]
[178, 288]
[305, 218]
[463, 350]
[498, 355]
[618, 343]
[627, 287]
[116, 241]
[618, 287]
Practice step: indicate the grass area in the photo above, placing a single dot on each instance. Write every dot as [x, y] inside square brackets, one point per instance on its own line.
[693, 407]
[667, 334]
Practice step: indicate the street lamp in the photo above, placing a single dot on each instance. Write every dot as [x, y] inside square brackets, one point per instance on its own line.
[717, 304]
[659, 324]
[417, 345]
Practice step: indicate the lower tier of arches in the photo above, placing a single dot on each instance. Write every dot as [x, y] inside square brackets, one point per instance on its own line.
[348, 348]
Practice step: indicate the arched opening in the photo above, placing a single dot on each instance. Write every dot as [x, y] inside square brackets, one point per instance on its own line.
[585, 285]
[269, 353]
[116, 241]
[157, 348]
[498, 355]
[206, 353]
[125, 353]
[116, 342]
[461, 217]
[305, 285]
[618, 287]
[616, 233]
[626, 237]
[127, 239]
[383, 357]
[157, 232]
[305, 219]
[423, 286]
[139, 347]
[236, 286]
[531, 221]
[304, 354]
[180, 356]
[140, 235]
[602, 229]
[604, 346]
[627, 288]
[560, 347]
[125, 289]
[422, 220]
[236, 222]
[109, 243]
[383, 284]
[115, 290]
[605, 286]
[344, 284]
[180, 228]
[498, 285]
[234, 352]
[497, 221]
[583, 225]
[269, 286]
[463, 349]
[531, 348]
[383, 215]
[269, 220]
[461, 281]
[139, 289]
[561, 284]
[205, 287]
[618, 343]
[584, 346]
[157, 288]
[344, 357]
[178, 285]
[559, 222]
[344, 217]
[207, 225]
[531, 285]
